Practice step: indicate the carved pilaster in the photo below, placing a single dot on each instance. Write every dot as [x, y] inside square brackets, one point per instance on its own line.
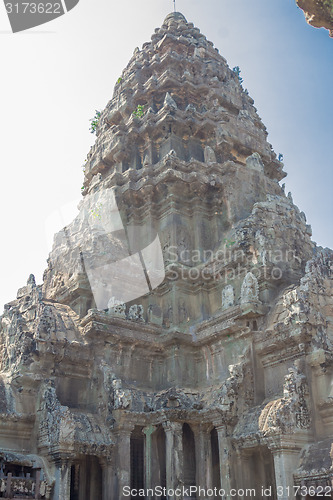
[203, 456]
[174, 456]
[286, 450]
[285, 462]
[62, 480]
[109, 480]
[124, 457]
[224, 456]
[148, 431]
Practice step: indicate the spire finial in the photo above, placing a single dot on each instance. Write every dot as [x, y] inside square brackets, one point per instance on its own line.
[174, 5]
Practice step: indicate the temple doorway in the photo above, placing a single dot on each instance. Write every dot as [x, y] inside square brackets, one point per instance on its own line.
[159, 458]
[86, 479]
[137, 459]
[214, 441]
[257, 472]
[189, 457]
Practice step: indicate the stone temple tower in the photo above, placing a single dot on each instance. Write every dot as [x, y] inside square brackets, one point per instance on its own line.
[182, 336]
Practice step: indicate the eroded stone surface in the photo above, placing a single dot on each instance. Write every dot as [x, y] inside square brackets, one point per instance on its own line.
[318, 13]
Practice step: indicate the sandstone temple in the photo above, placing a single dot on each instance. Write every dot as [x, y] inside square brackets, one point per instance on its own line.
[181, 344]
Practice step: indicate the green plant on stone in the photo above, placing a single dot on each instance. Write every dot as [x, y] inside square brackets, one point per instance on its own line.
[84, 166]
[119, 80]
[95, 121]
[237, 70]
[228, 243]
[96, 211]
[139, 112]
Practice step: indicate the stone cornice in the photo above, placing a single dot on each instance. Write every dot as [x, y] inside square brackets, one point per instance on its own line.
[105, 326]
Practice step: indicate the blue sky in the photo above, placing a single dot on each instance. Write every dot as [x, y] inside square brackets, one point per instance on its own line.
[55, 76]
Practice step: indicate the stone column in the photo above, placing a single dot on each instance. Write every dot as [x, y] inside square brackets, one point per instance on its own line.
[148, 431]
[203, 457]
[62, 487]
[285, 462]
[174, 456]
[239, 480]
[109, 480]
[37, 491]
[224, 457]
[247, 474]
[124, 458]
[9, 485]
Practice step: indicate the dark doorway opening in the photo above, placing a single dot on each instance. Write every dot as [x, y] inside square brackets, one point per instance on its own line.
[159, 459]
[137, 458]
[214, 441]
[86, 479]
[189, 457]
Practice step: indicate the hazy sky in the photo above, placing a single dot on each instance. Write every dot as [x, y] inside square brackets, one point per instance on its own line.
[55, 76]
